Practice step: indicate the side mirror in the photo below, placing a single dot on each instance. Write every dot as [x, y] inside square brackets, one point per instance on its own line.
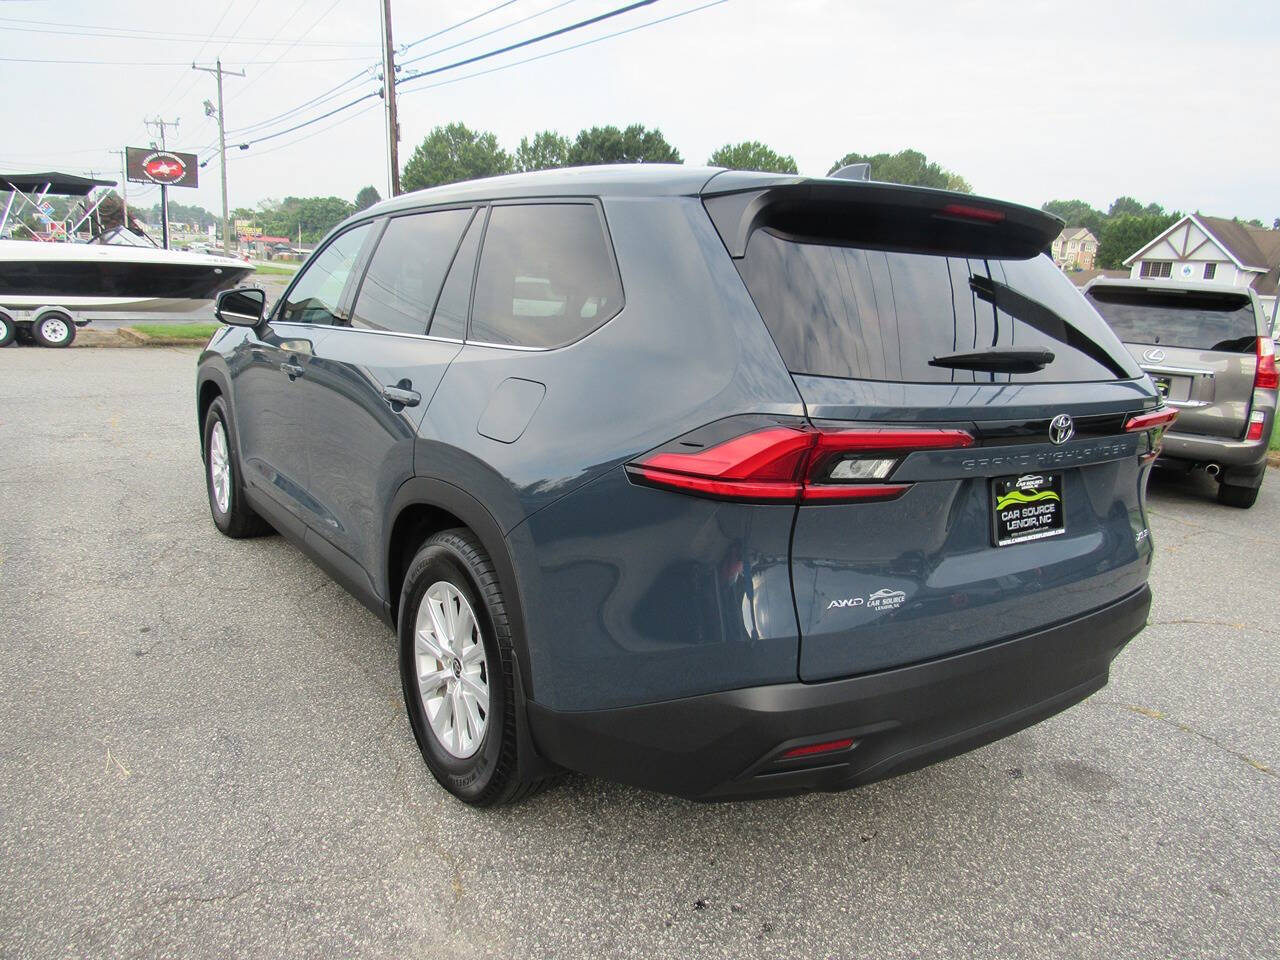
[242, 307]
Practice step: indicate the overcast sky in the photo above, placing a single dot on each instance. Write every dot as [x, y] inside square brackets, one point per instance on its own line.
[1166, 101]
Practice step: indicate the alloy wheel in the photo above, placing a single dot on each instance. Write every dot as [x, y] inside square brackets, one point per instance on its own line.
[451, 669]
[220, 467]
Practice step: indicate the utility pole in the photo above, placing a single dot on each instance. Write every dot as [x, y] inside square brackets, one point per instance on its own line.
[389, 95]
[222, 145]
[164, 190]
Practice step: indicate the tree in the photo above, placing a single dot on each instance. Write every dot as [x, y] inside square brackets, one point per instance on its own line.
[546, 151]
[1129, 207]
[906, 166]
[1077, 213]
[367, 197]
[1126, 234]
[453, 153]
[611, 145]
[752, 155]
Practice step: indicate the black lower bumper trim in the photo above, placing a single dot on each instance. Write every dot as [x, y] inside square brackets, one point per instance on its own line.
[726, 745]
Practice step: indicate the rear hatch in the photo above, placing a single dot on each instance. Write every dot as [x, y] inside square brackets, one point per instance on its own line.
[1005, 493]
[1199, 346]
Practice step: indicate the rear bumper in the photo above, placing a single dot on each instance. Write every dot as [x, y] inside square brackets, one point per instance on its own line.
[1245, 455]
[727, 745]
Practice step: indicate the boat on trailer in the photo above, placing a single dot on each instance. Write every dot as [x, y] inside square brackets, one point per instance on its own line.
[49, 287]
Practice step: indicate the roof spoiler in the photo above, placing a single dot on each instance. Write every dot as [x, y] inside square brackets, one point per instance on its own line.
[883, 216]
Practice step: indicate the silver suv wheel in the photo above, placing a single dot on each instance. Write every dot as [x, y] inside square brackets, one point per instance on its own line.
[452, 672]
[220, 467]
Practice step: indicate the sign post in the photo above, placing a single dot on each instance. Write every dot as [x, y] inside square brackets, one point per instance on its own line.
[165, 167]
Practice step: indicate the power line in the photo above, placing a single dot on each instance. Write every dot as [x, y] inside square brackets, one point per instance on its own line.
[484, 56]
[129, 33]
[618, 11]
[575, 46]
[460, 23]
[488, 33]
[306, 136]
[327, 95]
[259, 74]
[166, 63]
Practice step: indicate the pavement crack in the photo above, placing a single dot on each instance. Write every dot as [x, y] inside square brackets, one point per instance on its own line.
[1153, 714]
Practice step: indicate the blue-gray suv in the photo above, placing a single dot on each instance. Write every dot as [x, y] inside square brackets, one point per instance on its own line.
[723, 484]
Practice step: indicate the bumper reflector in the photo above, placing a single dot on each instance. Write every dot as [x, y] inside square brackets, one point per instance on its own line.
[810, 749]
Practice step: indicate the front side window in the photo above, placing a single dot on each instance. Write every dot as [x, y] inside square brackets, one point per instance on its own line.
[546, 276]
[315, 296]
[404, 277]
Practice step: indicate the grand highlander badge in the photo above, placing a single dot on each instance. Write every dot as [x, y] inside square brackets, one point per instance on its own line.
[1061, 429]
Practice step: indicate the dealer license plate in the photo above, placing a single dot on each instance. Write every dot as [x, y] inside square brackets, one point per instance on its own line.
[1027, 507]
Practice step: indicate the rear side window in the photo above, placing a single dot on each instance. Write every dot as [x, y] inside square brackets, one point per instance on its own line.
[404, 277]
[866, 314]
[1194, 319]
[546, 276]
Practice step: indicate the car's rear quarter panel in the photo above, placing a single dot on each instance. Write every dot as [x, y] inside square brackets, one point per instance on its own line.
[613, 608]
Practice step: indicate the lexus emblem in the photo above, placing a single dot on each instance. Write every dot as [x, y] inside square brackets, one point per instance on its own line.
[1061, 429]
[1155, 355]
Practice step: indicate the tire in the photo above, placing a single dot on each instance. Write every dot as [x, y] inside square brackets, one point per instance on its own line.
[476, 763]
[8, 329]
[53, 329]
[231, 512]
[1241, 497]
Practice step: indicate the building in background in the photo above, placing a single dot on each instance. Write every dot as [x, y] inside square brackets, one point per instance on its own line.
[1220, 251]
[1075, 249]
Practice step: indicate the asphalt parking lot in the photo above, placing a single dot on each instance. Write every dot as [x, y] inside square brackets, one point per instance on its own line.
[204, 753]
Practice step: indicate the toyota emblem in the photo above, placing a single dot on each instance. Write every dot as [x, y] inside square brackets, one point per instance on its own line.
[1061, 429]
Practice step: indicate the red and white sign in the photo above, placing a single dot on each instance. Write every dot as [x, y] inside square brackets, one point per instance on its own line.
[161, 166]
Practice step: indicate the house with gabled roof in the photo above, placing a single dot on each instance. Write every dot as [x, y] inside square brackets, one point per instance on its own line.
[1075, 248]
[1200, 248]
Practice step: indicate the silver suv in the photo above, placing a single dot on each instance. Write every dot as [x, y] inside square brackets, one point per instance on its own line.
[1208, 349]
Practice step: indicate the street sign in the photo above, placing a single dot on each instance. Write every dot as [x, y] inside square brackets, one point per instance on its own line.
[170, 169]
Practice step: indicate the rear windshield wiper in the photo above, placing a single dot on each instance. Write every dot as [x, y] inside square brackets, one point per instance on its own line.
[998, 360]
[1039, 317]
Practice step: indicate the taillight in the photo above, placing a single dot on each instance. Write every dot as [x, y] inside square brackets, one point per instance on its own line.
[1266, 377]
[795, 464]
[1256, 421]
[1161, 417]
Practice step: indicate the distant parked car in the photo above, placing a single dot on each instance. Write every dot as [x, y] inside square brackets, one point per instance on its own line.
[718, 483]
[1209, 351]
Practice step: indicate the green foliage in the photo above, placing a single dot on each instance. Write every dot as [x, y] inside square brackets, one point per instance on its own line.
[635, 144]
[752, 155]
[906, 166]
[545, 151]
[453, 153]
[182, 213]
[315, 216]
[1077, 213]
[367, 197]
[1126, 234]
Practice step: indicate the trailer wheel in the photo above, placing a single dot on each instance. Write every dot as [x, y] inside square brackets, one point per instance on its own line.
[8, 329]
[53, 329]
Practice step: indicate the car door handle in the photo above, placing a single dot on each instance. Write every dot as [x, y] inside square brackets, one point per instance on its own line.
[292, 369]
[401, 395]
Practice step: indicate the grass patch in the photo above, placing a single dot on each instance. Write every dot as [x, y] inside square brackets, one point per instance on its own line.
[1275, 439]
[271, 270]
[177, 331]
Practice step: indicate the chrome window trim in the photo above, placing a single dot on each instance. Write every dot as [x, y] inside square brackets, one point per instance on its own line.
[414, 336]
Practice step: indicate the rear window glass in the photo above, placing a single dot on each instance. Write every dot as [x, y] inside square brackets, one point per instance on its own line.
[840, 311]
[546, 276]
[1193, 319]
[404, 277]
